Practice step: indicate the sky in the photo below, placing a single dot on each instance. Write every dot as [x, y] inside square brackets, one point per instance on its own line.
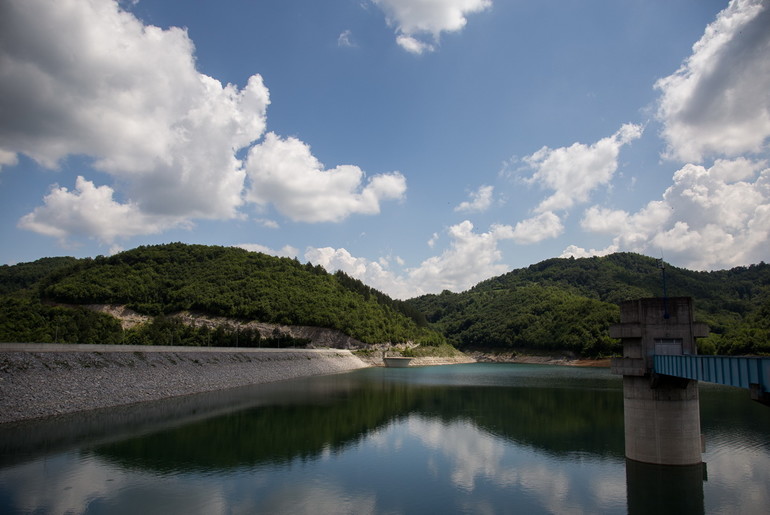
[417, 145]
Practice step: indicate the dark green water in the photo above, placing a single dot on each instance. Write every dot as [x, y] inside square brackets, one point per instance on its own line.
[477, 438]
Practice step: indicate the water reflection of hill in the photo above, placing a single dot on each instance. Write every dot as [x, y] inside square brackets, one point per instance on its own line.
[554, 420]
[559, 421]
[264, 435]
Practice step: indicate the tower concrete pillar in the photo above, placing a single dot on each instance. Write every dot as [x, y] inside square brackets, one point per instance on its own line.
[661, 413]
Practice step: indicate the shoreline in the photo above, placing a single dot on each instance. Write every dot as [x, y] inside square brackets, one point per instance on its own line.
[56, 379]
[423, 361]
[537, 359]
[43, 380]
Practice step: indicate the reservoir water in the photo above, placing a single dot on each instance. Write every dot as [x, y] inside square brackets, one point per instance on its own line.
[477, 439]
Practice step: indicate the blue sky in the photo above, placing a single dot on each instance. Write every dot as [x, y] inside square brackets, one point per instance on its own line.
[419, 145]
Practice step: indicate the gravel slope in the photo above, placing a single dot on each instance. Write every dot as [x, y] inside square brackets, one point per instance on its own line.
[44, 380]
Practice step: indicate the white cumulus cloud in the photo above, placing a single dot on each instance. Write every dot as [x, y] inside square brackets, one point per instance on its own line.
[413, 20]
[285, 251]
[716, 106]
[718, 102]
[574, 172]
[373, 273]
[708, 218]
[89, 79]
[632, 230]
[91, 211]
[481, 200]
[345, 39]
[470, 258]
[414, 45]
[8, 158]
[579, 252]
[538, 228]
[283, 172]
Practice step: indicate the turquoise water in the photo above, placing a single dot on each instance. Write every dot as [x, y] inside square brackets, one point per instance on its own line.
[481, 438]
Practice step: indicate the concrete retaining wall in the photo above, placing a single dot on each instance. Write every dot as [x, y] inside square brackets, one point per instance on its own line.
[39, 380]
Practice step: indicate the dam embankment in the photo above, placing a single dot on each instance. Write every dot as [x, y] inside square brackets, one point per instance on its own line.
[41, 380]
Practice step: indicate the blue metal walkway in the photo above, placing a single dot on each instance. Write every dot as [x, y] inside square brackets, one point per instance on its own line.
[752, 373]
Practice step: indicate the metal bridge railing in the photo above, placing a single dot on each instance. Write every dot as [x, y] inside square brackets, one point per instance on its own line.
[752, 373]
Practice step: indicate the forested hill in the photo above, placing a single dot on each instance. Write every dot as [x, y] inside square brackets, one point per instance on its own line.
[219, 281]
[558, 304]
[570, 303]
[23, 276]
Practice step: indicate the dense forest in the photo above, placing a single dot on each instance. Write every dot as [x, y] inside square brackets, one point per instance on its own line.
[159, 281]
[569, 304]
[556, 305]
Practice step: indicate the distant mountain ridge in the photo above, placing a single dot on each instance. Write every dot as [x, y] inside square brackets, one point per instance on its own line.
[229, 282]
[568, 304]
[559, 304]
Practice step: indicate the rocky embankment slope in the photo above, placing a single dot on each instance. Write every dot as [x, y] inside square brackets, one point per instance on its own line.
[44, 380]
[320, 337]
[41, 380]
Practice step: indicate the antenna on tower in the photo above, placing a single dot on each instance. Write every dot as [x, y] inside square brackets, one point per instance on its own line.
[662, 266]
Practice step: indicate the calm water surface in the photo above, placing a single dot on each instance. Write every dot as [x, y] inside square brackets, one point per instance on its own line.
[481, 438]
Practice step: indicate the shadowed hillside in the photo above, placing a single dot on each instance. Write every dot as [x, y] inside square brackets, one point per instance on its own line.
[218, 281]
[568, 304]
[553, 306]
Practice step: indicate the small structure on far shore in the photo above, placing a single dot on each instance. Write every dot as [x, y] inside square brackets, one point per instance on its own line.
[397, 362]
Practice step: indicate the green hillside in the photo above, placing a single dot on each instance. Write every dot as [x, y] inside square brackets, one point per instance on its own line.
[555, 305]
[569, 304]
[220, 281]
[22, 277]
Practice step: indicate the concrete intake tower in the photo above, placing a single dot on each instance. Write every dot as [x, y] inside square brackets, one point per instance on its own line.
[661, 413]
